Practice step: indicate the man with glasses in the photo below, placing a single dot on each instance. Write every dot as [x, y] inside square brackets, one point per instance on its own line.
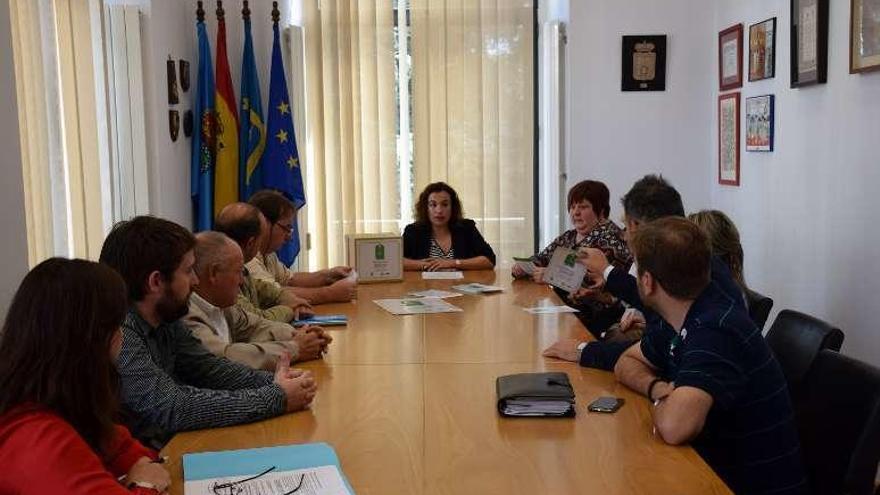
[244, 224]
[226, 329]
[323, 286]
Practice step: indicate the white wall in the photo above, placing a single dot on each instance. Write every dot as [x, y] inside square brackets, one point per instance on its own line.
[14, 261]
[617, 137]
[806, 210]
[803, 210]
[168, 29]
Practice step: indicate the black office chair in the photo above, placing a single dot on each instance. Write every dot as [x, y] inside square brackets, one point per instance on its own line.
[759, 307]
[796, 339]
[838, 417]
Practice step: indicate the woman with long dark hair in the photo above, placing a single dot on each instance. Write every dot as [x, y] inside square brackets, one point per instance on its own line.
[441, 238]
[58, 396]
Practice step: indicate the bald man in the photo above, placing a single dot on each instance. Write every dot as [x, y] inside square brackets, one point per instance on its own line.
[227, 330]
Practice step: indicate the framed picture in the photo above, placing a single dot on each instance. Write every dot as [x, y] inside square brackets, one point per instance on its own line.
[730, 49]
[864, 36]
[728, 139]
[759, 123]
[644, 63]
[809, 42]
[375, 257]
[762, 50]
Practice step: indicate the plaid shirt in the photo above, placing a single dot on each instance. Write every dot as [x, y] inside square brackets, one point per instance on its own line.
[169, 382]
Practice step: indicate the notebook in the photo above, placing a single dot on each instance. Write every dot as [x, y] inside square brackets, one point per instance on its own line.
[313, 467]
[546, 395]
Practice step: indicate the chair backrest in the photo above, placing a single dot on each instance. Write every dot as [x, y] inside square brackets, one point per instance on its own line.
[796, 339]
[759, 307]
[838, 417]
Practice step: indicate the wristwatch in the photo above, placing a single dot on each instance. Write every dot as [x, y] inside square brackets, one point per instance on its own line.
[457, 262]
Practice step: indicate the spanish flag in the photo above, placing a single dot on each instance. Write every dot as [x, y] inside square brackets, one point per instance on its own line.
[226, 168]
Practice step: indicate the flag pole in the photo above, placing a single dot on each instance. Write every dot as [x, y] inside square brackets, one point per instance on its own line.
[245, 10]
[276, 14]
[200, 12]
[220, 12]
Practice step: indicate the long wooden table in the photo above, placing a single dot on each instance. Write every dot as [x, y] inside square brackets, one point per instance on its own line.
[408, 402]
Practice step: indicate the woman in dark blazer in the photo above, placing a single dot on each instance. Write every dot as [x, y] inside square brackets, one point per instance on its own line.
[440, 239]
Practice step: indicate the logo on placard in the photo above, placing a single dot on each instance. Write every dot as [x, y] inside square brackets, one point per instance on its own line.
[380, 252]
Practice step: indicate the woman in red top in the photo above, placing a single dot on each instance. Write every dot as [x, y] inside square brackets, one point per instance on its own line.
[57, 388]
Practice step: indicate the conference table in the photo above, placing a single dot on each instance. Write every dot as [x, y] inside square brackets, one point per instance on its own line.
[409, 405]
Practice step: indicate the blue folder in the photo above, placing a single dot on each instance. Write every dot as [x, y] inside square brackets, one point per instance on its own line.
[323, 320]
[248, 462]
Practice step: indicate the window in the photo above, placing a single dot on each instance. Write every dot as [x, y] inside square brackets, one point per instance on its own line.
[401, 93]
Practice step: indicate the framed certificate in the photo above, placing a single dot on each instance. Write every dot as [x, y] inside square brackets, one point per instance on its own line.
[728, 139]
[730, 50]
[375, 257]
[809, 42]
[864, 36]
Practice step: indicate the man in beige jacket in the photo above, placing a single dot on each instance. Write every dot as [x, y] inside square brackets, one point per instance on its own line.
[226, 329]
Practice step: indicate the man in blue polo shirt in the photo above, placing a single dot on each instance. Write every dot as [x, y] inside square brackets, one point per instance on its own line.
[713, 380]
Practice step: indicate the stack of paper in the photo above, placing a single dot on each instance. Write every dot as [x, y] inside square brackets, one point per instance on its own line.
[442, 294]
[536, 407]
[416, 306]
[475, 288]
[550, 310]
[454, 275]
[309, 469]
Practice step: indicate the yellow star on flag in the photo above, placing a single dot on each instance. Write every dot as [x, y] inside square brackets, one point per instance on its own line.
[284, 108]
[282, 136]
[245, 104]
[292, 162]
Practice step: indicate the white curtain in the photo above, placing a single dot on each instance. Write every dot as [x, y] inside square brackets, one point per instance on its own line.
[61, 98]
[473, 111]
[351, 124]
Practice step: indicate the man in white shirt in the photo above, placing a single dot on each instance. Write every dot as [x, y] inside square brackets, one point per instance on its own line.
[227, 330]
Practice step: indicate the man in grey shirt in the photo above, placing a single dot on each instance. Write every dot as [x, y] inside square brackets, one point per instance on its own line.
[168, 381]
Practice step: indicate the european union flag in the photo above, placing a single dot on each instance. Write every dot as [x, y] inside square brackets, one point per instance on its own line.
[252, 134]
[280, 162]
[202, 163]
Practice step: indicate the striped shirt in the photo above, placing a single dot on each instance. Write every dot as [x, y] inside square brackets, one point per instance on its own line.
[749, 437]
[169, 382]
[437, 252]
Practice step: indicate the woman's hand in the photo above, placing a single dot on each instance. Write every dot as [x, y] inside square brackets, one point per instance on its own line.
[437, 264]
[538, 275]
[152, 473]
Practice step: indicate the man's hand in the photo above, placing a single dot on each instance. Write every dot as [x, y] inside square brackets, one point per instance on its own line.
[564, 349]
[311, 344]
[299, 386]
[301, 308]
[341, 291]
[596, 263]
[337, 273]
[632, 319]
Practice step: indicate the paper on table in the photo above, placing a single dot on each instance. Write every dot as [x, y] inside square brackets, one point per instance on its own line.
[476, 288]
[455, 275]
[320, 480]
[442, 294]
[416, 306]
[550, 310]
